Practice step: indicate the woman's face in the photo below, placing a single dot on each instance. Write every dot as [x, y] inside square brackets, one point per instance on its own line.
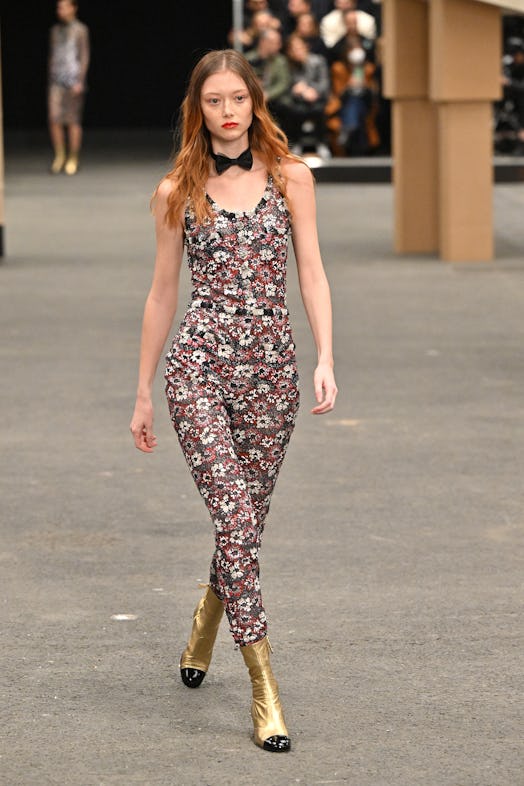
[306, 25]
[262, 21]
[296, 7]
[350, 19]
[65, 11]
[297, 50]
[226, 106]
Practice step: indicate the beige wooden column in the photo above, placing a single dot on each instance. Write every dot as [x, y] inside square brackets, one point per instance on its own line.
[415, 171]
[464, 80]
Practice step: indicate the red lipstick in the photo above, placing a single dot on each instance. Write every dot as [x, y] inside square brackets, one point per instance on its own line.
[229, 125]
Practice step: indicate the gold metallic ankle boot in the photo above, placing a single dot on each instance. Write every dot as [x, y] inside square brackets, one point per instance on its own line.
[71, 165]
[58, 160]
[196, 657]
[270, 730]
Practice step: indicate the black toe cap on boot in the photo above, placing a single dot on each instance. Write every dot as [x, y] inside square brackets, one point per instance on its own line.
[192, 677]
[277, 744]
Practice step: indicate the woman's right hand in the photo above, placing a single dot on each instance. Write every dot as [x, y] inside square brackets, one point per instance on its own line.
[142, 426]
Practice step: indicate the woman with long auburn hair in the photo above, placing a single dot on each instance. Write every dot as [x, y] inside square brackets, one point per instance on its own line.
[234, 196]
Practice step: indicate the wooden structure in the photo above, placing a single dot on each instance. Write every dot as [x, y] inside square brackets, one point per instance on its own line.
[442, 70]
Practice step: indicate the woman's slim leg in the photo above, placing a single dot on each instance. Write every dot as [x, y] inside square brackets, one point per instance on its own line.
[261, 434]
[235, 447]
[203, 426]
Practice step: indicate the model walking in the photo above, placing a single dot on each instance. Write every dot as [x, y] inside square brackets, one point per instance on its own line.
[232, 198]
[68, 64]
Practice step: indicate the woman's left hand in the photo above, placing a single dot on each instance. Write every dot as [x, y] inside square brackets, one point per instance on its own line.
[325, 389]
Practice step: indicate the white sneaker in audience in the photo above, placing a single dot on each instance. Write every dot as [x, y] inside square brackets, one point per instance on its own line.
[323, 150]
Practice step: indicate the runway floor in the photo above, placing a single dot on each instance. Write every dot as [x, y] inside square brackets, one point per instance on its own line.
[392, 560]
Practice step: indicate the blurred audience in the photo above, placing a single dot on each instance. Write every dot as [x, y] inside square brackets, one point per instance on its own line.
[308, 29]
[354, 101]
[320, 8]
[509, 112]
[514, 85]
[294, 9]
[328, 84]
[333, 27]
[252, 7]
[302, 109]
[259, 21]
[272, 69]
[325, 88]
[351, 37]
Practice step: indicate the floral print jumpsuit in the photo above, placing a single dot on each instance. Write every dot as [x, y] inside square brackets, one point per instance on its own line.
[232, 388]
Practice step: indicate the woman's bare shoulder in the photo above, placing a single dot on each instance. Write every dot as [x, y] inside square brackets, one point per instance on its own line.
[296, 171]
[165, 188]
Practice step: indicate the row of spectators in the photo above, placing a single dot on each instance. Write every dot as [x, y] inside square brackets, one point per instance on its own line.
[509, 112]
[318, 62]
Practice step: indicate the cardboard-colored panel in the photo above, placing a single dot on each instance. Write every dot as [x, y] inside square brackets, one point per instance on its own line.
[507, 5]
[415, 176]
[465, 51]
[406, 48]
[465, 182]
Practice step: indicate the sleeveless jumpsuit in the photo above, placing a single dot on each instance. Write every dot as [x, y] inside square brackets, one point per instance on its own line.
[232, 388]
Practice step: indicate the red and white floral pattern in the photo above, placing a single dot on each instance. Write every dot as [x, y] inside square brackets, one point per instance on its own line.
[232, 389]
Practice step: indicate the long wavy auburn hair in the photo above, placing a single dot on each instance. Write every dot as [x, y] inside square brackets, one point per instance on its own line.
[191, 165]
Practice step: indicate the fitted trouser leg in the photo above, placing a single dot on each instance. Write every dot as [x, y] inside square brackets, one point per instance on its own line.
[261, 434]
[234, 450]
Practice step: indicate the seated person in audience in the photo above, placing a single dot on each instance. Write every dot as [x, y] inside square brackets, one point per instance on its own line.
[261, 20]
[307, 28]
[333, 27]
[374, 9]
[353, 106]
[513, 82]
[294, 9]
[252, 7]
[353, 37]
[302, 109]
[280, 8]
[271, 67]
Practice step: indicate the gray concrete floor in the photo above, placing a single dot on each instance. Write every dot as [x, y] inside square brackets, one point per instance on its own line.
[392, 562]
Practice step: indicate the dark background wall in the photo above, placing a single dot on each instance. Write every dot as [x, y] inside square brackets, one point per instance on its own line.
[141, 56]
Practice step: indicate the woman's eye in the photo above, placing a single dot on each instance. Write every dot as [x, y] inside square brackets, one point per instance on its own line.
[241, 98]
[213, 100]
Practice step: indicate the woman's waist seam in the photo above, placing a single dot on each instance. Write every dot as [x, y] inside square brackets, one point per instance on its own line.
[243, 310]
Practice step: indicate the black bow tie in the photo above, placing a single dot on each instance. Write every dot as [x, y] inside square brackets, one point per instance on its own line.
[245, 160]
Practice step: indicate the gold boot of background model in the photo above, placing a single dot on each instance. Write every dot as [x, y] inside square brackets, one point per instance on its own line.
[270, 730]
[58, 160]
[71, 165]
[196, 657]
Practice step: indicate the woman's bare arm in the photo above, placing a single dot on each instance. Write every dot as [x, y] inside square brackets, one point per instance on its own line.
[159, 312]
[314, 285]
